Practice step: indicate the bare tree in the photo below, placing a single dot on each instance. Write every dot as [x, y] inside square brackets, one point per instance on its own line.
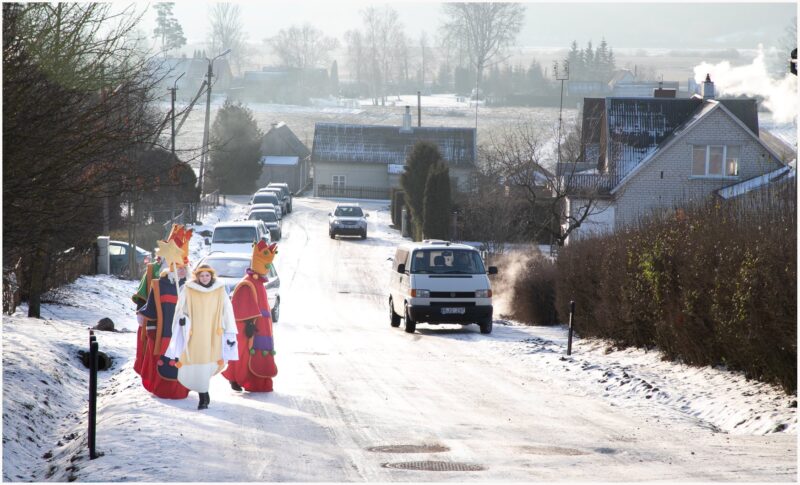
[382, 32]
[76, 110]
[356, 55]
[303, 46]
[226, 32]
[519, 159]
[486, 29]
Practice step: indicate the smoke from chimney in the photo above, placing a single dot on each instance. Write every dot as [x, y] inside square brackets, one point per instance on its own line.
[780, 95]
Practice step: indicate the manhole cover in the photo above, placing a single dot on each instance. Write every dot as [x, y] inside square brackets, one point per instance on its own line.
[408, 449]
[435, 466]
[551, 450]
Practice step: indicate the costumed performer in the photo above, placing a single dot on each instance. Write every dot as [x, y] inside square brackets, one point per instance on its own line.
[204, 332]
[158, 314]
[256, 365]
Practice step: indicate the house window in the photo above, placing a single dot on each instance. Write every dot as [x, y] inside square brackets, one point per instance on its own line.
[715, 161]
[338, 181]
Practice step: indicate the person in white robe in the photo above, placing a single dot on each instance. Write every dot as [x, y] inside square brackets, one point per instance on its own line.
[203, 332]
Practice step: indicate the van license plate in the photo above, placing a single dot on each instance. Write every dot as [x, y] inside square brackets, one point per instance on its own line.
[453, 311]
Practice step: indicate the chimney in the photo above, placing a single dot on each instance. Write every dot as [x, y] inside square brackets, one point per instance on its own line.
[708, 88]
[660, 92]
[406, 121]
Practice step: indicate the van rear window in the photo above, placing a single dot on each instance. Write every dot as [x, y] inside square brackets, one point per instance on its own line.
[447, 261]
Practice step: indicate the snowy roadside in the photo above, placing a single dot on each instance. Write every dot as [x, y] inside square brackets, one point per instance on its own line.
[45, 386]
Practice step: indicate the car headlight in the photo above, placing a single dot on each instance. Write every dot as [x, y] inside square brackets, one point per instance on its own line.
[420, 294]
[483, 294]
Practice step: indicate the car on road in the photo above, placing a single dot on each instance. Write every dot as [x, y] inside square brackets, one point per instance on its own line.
[347, 219]
[270, 218]
[267, 198]
[287, 194]
[284, 201]
[440, 282]
[119, 260]
[237, 236]
[231, 267]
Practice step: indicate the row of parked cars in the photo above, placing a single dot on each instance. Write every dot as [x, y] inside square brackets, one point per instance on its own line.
[231, 243]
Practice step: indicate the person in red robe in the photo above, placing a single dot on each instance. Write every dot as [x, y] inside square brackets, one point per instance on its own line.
[152, 272]
[158, 315]
[256, 365]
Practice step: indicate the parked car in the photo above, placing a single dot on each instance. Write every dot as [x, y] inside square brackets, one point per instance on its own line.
[231, 267]
[267, 198]
[118, 256]
[347, 219]
[237, 236]
[440, 282]
[284, 202]
[272, 207]
[270, 218]
[287, 194]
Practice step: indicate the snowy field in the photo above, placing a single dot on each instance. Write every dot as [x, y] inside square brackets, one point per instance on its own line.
[355, 399]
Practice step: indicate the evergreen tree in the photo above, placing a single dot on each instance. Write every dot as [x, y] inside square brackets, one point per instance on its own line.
[589, 65]
[423, 156]
[535, 78]
[463, 80]
[335, 77]
[235, 164]
[168, 31]
[436, 205]
[575, 60]
[443, 78]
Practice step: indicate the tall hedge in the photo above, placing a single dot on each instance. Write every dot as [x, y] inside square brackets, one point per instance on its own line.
[714, 285]
[423, 156]
[436, 205]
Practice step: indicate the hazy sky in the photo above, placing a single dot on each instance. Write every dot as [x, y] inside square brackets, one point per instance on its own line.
[624, 25]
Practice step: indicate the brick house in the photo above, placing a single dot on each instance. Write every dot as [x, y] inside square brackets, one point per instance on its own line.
[642, 156]
[366, 161]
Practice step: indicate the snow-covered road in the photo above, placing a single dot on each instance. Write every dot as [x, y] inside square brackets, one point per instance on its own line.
[358, 400]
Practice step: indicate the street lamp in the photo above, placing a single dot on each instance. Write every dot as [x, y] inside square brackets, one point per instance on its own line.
[173, 91]
[204, 153]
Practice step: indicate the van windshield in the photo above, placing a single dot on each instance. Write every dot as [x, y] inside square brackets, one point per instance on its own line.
[447, 261]
[235, 235]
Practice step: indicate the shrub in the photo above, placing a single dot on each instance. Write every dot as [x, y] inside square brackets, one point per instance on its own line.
[715, 285]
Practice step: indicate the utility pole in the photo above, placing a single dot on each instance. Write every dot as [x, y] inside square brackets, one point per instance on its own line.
[561, 75]
[477, 97]
[173, 91]
[204, 154]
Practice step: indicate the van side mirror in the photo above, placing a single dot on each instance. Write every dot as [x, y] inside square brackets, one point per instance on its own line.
[366, 215]
[492, 269]
[207, 242]
[329, 214]
[401, 268]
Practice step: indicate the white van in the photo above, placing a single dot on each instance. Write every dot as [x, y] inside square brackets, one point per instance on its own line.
[440, 282]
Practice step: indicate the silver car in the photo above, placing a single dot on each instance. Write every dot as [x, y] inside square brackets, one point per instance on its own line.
[231, 267]
[347, 220]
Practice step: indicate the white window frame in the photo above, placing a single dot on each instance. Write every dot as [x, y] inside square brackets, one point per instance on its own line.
[339, 181]
[723, 175]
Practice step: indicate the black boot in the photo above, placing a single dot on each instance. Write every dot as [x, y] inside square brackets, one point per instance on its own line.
[203, 401]
[235, 386]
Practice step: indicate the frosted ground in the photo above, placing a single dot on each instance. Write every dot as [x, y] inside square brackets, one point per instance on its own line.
[354, 396]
